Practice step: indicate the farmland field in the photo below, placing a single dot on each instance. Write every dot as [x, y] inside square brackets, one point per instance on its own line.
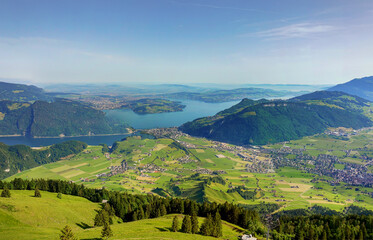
[205, 170]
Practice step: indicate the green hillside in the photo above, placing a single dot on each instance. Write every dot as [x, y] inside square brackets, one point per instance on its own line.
[150, 106]
[159, 228]
[25, 217]
[21, 157]
[59, 118]
[22, 93]
[338, 100]
[267, 122]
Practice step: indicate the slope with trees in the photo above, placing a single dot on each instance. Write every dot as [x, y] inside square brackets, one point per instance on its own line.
[59, 118]
[21, 157]
[267, 122]
[22, 93]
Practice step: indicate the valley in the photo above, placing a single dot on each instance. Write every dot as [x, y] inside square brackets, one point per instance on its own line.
[178, 165]
[186, 119]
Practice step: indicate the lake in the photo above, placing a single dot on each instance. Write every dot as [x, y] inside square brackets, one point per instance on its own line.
[193, 110]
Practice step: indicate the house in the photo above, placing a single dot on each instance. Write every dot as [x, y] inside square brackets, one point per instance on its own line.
[248, 237]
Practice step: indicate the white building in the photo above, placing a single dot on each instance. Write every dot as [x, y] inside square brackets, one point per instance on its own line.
[248, 237]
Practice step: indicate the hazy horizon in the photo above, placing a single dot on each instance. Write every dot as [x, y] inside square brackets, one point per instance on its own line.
[322, 42]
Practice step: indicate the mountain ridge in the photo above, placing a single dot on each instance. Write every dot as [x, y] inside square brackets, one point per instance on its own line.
[59, 118]
[362, 87]
[276, 121]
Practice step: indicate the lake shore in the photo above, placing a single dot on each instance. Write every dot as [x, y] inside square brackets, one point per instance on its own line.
[129, 131]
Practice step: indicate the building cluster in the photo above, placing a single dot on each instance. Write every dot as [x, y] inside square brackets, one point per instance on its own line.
[151, 168]
[171, 132]
[115, 170]
[324, 165]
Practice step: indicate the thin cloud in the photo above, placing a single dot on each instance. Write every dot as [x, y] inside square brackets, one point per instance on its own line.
[218, 7]
[31, 40]
[299, 30]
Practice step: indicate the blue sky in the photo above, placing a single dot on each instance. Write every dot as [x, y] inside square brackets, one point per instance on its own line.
[186, 41]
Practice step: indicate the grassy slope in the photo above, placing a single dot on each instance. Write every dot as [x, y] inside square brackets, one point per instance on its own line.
[25, 217]
[158, 228]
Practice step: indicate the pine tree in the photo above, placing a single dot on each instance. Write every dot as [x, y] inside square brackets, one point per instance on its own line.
[301, 235]
[37, 193]
[163, 210]
[217, 226]
[186, 226]
[147, 211]
[67, 234]
[182, 207]
[101, 217]
[361, 235]
[134, 216]
[324, 236]
[109, 209]
[141, 214]
[158, 213]
[5, 193]
[206, 228]
[175, 224]
[195, 226]
[106, 231]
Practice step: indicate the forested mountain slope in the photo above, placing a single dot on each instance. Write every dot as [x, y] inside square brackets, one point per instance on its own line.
[22, 93]
[275, 121]
[59, 118]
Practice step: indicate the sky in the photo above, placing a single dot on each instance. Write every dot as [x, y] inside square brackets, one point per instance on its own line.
[186, 41]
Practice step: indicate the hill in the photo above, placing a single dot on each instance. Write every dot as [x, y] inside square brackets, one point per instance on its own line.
[149, 106]
[22, 93]
[18, 158]
[59, 118]
[25, 217]
[362, 87]
[268, 122]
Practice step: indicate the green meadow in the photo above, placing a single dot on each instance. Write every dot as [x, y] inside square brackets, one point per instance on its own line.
[288, 187]
[25, 217]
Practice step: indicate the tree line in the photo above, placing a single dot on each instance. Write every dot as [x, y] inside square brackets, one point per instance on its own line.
[324, 227]
[132, 207]
[317, 223]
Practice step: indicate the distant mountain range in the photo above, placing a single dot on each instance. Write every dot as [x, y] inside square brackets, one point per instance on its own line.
[362, 87]
[214, 96]
[262, 122]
